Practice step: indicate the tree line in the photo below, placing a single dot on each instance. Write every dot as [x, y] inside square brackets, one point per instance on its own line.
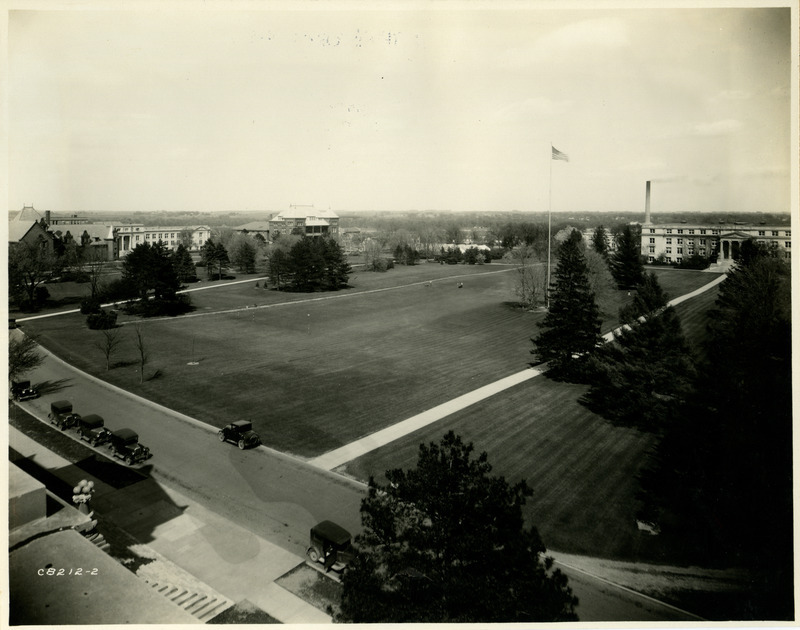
[718, 485]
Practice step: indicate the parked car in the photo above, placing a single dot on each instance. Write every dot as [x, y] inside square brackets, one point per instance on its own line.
[61, 414]
[330, 545]
[124, 444]
[22, 390]
[240, 432]
[92, 429]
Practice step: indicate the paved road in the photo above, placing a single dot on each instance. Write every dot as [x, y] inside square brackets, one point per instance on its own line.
[273, 495]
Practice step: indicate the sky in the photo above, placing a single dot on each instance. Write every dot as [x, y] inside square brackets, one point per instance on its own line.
[439, 106]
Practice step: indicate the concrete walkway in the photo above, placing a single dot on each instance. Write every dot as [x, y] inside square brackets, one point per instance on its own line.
[349, 452]
[332, 459]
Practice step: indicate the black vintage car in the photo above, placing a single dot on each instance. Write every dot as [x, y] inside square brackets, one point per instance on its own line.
[124, 443]
[92, 429]
[240, 432]
[61, 414]
[330, 545]
[22, 390]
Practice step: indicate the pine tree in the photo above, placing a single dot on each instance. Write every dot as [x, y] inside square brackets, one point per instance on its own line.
[600, 241]
[572, 324]
[626, 263]
[446, 542]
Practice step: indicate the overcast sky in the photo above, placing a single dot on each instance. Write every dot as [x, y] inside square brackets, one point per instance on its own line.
[444, 106]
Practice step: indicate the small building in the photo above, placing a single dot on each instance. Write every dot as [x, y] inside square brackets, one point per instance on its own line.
[255, 228]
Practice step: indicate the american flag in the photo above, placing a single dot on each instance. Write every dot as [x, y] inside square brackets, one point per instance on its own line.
[557, 155]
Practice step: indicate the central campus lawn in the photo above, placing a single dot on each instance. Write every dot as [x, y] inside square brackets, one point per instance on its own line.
[317, 371]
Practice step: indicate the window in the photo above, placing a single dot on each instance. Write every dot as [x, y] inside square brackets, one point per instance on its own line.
[680, 230]
[652, 240]
[715, 231]
[788, 233]
[690, 242]
[669, 230]
[669, 250]
[669, 258]
[650, 259]
[787, 254]
[652, 230]
[702, 251]
[762, 233]
[680, 250]
[652, 249]
[669, 241]
[137, 238]
[702, 241]
[678, 260]
[702, 231]
[680, 241]
[691, 231]
[787, 243]
[774, 232]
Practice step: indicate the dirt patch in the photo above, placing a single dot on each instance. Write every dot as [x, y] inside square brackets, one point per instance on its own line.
[313, 587]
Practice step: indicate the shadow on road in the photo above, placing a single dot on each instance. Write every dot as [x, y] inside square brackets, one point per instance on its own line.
[51, 387]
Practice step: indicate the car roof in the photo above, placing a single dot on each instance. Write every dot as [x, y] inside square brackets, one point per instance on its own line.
[242, 424]
[92, 420]
[61, 404]
[331, 531]
[125, 434]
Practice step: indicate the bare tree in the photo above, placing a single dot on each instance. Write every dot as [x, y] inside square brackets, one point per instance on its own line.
[142, 349]
[108, 344]
[531, 278]
[22, 355]
[95, 261]
[30, 264]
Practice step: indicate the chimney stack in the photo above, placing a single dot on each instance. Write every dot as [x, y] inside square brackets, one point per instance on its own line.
[647, 204]
[47, 217]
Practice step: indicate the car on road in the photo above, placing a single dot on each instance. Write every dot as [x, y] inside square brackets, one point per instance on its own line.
[92, 429]
[331, 546]
[124, 443]
[61, 414]
[241, 433]
[22, 390]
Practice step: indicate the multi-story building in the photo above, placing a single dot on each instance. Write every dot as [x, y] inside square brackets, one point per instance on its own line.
[304, 220]
[131, 235]
[675, 241]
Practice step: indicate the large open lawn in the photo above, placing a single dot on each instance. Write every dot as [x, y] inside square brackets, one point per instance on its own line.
[317, 371]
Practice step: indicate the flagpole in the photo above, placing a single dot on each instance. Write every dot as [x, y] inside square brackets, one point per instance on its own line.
[549, 208]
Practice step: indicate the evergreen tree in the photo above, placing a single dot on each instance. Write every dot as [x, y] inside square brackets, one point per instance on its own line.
[600, 241]
[279, 270]
[643, 376]
[446, 542]
[183, 264]
[572, 324]
[649, 298]
[721, 479]
[626, 263]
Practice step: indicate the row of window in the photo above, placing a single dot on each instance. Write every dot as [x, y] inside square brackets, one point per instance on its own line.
[717, 231]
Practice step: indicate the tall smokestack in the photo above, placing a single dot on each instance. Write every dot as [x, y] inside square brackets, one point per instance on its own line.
[647, 203]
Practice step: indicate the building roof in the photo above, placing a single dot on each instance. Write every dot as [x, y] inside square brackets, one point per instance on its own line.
[97, 231]
[303, 212]
[254, 226]
[27, 214]
[18, 229]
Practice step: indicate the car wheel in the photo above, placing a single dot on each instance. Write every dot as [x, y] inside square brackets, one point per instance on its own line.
[221, 436]
[94, 443]
[312, 554]
[129, 461]
[241, 445]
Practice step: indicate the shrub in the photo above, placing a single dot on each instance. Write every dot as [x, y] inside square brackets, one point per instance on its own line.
[102, 320]
[119, 289]
[40, 295]
[90, 305]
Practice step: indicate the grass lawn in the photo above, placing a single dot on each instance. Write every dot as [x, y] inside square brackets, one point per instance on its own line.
[317, 371]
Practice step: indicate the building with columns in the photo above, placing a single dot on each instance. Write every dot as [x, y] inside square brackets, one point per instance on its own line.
[672, 242]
